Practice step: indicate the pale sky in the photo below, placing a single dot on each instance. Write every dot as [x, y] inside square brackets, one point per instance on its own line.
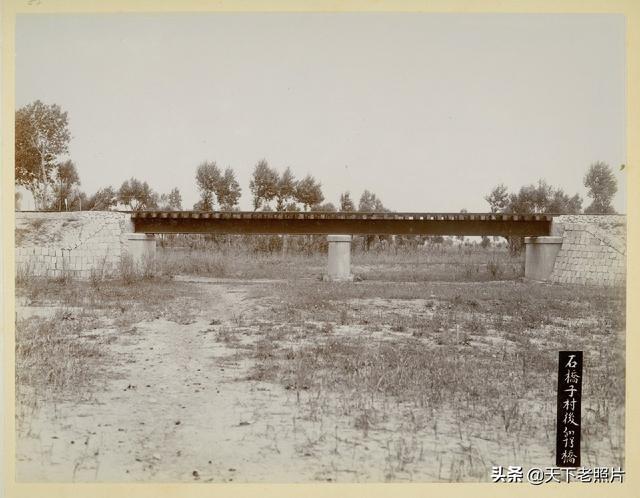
[427, 111]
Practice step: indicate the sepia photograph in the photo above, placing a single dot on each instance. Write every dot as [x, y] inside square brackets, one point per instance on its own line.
[320, 247]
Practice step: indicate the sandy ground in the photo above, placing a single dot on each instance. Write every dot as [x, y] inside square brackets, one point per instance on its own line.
[175, 410]
[177, 406]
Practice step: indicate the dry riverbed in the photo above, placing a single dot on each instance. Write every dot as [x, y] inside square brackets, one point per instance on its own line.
[288, 381]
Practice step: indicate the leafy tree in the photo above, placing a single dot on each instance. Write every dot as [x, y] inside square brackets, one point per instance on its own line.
[530, 199]
[309, 192]
[77, 200]
[41, 137]
[539, 198]
[346, 203]
[498, 199]
[205, 203]
[263, 184]
[171, 201]
[542, 198]
[327, 207]
[286, 190]
[208, 178]
[562, 203]
[369, 202]
[228, 190]
[66, 180]
[103, 200]
[602, 186]
[292, 206]
[137, 195]
[174, 201]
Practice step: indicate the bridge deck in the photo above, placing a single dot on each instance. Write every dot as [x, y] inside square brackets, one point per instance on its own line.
[259, 222]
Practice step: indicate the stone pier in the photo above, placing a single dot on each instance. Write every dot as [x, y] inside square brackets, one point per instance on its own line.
[339, 264]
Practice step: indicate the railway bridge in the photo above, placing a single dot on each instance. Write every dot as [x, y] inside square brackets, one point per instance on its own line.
[583, 249]
[341, 226]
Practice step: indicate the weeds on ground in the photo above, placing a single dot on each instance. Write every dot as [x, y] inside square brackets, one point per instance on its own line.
[115, 300]
[484, 354]
[53, 356]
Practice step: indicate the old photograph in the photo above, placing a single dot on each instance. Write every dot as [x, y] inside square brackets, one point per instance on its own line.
[357, 247]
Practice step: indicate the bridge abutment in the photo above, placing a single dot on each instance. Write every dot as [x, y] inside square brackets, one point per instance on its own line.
[593, 249]
[540, 256]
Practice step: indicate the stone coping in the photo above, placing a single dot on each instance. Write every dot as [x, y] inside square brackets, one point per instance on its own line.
[339, 238]
[543, 240]
[138, 236]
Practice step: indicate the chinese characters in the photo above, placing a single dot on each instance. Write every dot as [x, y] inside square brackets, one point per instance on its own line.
[569, 402]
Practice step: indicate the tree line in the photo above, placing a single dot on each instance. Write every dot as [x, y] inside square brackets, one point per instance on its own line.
[599, 180]
[601, 186]
[42, 137]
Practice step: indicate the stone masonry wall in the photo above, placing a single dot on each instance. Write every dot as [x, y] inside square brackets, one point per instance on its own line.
[77, 243]
[593, 249]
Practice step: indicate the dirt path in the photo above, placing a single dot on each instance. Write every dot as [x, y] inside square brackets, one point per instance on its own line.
[177, 407]
[174, 410]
